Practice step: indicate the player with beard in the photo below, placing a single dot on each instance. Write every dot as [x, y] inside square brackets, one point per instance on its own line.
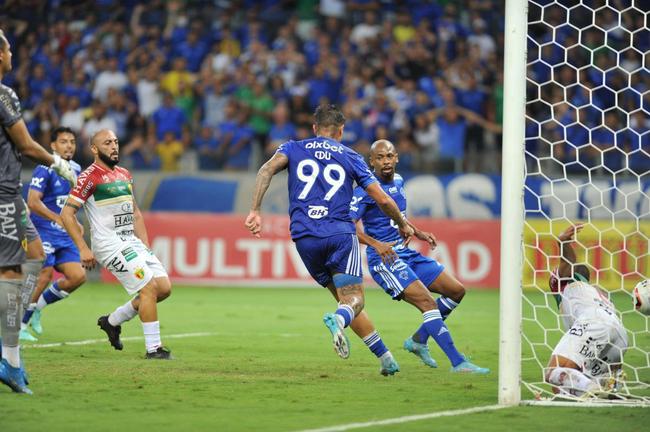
[47, 194]
[411, 275]
[15, 142]
[119, 242]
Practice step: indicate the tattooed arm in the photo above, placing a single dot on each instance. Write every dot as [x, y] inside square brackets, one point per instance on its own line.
[273, 166]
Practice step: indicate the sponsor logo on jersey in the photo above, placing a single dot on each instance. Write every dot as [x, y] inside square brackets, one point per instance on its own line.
[324, 145]
[87, 188]
[123, 219]
[139, 273]
[317, 212]
[8, 102]
[37, 182]
[392, 189]
[109, 191]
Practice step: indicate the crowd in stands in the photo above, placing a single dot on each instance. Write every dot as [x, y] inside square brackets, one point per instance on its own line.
[219, 84]
[590, 103]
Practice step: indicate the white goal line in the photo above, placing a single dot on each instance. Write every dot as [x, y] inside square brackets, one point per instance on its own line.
[406, 419]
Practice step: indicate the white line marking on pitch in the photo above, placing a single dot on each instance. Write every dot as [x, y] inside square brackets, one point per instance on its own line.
[129, 338]
[137, 338]
[407, 419]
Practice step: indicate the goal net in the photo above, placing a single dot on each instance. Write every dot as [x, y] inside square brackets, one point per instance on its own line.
[587, 160]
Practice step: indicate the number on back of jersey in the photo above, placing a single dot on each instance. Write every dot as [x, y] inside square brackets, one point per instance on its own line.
[308, 172]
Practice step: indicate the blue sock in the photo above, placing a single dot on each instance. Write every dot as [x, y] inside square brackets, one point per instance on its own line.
[51, 295]
[346, 313]
[421, 335]
[445, 306]
[440, 333]
[28, 313]
[376, 345]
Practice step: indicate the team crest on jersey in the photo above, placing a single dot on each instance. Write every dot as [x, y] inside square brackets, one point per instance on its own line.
[139, 273]
[317, 212]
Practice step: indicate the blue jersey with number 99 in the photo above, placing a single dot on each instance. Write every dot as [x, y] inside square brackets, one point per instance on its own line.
[322, 173]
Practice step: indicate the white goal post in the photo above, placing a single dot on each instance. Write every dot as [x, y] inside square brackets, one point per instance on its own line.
[583, 65]
[512, 201]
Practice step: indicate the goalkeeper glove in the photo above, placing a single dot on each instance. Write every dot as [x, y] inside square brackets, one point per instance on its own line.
[63, 168]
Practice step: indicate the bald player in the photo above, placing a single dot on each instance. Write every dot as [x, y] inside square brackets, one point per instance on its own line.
[119, 242]
[407, 275]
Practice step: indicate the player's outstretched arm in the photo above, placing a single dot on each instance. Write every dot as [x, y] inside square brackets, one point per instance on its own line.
[138, 225]
[390, 209]
[69, 219]
[273, 166]
[567, 254]
[385, 250]
[20, 136]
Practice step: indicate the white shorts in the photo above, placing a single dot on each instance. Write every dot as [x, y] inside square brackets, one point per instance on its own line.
[131, 262]
[593, 344]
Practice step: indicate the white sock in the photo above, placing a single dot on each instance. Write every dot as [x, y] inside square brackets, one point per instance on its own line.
[571, 380]
[387, 354]
[151, 332]
[122, 314]
[12, 355]
[23, 326]
[40, 303]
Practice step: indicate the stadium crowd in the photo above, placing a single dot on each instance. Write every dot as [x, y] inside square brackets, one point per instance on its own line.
[588, 88]
[218, 85]
[224, 82]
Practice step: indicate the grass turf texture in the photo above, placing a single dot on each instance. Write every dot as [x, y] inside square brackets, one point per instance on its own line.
[268, 366]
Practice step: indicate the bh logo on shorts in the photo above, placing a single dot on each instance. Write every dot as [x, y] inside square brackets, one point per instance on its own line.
[317, 212]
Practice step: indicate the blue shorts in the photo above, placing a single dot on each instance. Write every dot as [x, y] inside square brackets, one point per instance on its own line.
[59, 251]
[324, 257]
[411, 266]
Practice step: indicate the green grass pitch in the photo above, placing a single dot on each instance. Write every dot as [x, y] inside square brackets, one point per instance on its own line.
[266, 365]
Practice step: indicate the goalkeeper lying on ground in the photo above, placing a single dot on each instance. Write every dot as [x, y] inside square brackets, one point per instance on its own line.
[591, 351]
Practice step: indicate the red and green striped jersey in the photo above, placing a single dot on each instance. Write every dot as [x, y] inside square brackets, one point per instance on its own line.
[107, 197]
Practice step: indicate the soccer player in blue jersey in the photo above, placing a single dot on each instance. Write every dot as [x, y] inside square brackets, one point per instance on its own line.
[410, 276]
[48, 192]
[322, 172]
